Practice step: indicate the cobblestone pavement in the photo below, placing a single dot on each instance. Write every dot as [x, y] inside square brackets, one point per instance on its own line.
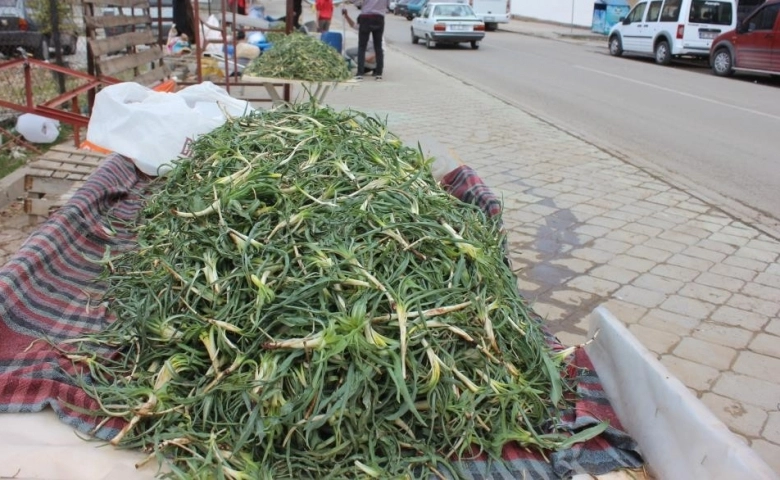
[697, 287]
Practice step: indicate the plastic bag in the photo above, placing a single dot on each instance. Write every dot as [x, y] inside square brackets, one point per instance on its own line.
[37, 129]
[155, 128]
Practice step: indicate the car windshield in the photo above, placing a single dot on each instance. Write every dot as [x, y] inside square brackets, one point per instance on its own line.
[452, 11]
[711, 12]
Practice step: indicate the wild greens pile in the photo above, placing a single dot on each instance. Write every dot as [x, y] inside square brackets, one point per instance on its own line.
[306, 301]
[299, 57]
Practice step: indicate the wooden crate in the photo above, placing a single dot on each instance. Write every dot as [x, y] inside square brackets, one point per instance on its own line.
[54, 177]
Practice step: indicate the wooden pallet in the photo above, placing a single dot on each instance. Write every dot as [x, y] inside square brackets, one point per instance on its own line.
[55, 176]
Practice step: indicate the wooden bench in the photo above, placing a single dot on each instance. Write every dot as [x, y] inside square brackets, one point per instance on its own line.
[54, 177]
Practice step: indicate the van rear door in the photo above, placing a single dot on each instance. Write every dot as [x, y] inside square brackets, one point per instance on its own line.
[490, 10]
[706, 20]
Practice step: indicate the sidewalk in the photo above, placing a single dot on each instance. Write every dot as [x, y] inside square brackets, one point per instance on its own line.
[553, 31]
[698, 288]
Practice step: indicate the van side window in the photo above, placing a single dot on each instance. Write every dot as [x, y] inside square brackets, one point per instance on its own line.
[654, 11]
[711, 12]
[764, 19]
[671, 11]
[638, 13]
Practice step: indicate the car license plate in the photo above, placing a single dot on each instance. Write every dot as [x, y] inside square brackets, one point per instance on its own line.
[460, 28]
[707, 35]
[490, 19]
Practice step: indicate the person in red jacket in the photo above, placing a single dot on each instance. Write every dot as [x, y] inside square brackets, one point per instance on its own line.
[324, 14]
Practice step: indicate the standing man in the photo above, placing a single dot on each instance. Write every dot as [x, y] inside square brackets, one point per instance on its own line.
[371, 23]
[324, 14]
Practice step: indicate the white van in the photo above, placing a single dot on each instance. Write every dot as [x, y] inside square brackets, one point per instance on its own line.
[492, 12]
[672, 28]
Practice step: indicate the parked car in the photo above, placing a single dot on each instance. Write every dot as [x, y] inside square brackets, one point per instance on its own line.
[414, 8]
[448, 23]
[667, 29]
[401, 7]
[19, 29]
[754, 47]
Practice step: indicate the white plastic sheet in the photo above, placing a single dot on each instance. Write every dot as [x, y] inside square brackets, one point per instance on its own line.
[677, 435]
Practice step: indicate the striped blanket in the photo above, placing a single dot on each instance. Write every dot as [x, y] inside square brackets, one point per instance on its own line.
[50, 292]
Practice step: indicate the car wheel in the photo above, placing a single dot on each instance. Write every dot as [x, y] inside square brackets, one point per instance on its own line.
[722, 63]
[475, 44]
[429, 42]
[662, 54]
[615, 46]
[42, 52]
[415, 38]
[491, 26]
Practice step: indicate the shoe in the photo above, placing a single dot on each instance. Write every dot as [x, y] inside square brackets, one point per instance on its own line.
[358, 78]
[377, 77]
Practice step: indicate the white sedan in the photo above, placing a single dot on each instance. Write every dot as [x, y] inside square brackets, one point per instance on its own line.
[451, 23]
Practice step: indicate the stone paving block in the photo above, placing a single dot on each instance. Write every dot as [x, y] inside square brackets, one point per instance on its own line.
[681, 212]
[593, 255]
[675, 272]
[769, 280]
[644, 229]
[539, 209]
[756, 365]
[747, 389]
[640, 296]
[666, 245]
[519, 216]
[691, 374]
[733, 240]
[716, 296]
[769, 452]
[576, 265]
[687, 306]
[763, 292]
[772, 428]
[731, 271]
[605, 204]
[648, 253]
[739, 229]
[729, 284]
[773, 269]
[738, 317]
[679, 237]
[592, 230]
[669, 322]
[706, 353]
[657, 283]
[612, 246]
[657, 341]
[610, 223]
[571, 297]
[653, 207]
[624, 236]
[623, 216]
[697, 207]
[571, 339]
[615, 274]
[527, 287]
[739, 417]
[768, 246]
[687, 229]
[720, 247]
[727, 336]
[716, 217]
[705, 254]
[766, 344]
[635, 264]
[596, 286]
[756, 254]
[690, 262]
[624, 311]
[773, 327]
[746, 263]
[550, 313]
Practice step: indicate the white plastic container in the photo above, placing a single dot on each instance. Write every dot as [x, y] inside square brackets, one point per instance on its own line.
[37, 129]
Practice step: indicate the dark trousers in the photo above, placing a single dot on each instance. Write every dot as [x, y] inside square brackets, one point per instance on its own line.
[373, 26]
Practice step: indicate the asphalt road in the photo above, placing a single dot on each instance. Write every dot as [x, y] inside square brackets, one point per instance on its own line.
[718, 138]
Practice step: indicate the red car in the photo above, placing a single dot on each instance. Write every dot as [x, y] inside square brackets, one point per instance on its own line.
[754, 47]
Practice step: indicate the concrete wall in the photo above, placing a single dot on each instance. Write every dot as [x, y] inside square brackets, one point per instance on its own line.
[558, 11]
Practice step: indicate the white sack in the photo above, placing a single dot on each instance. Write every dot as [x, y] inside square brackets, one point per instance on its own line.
[155, 128]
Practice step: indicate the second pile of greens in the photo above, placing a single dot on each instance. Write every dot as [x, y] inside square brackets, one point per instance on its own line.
[299, 57]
